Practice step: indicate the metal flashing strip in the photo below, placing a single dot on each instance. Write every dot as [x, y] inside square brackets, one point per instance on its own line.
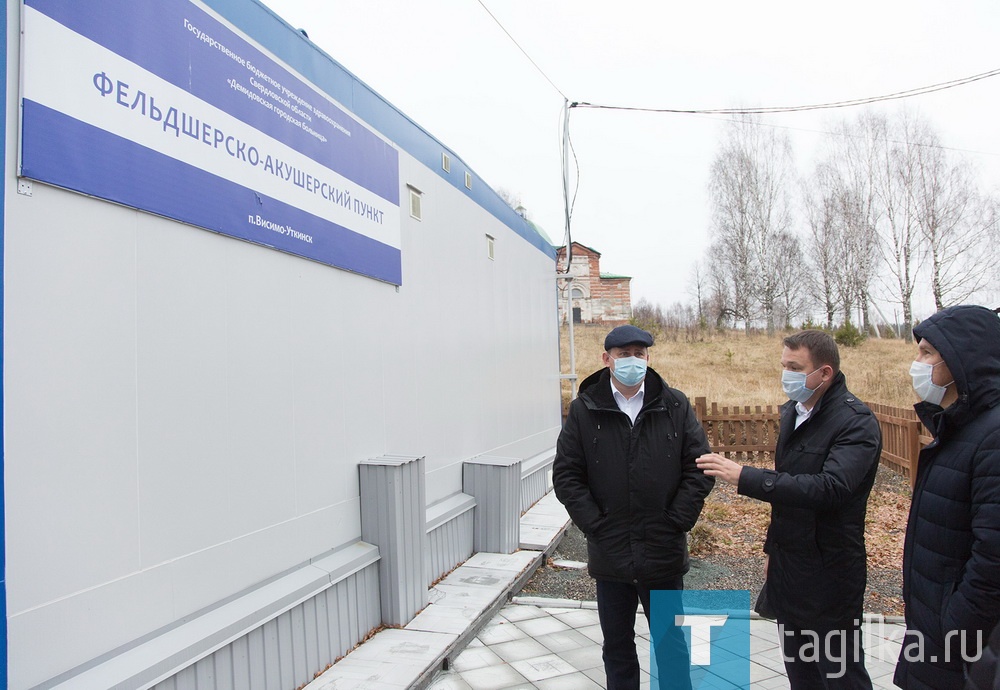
[165, 655]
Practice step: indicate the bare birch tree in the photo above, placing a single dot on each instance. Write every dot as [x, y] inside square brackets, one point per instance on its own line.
[954, 220]
[750, 180]
[848, 185]
[898, 145]
[821, 216]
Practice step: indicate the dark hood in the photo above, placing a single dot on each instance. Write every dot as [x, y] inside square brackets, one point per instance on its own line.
[968, 338]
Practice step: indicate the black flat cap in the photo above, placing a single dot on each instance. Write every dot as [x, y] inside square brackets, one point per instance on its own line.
[627, 335]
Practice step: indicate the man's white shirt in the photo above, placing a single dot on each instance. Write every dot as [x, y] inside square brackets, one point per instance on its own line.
[629, 406]
[801, 414]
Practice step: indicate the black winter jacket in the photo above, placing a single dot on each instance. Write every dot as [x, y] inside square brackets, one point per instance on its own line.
[984, 674]
[818, 491]
[951, 557]
[633, 490]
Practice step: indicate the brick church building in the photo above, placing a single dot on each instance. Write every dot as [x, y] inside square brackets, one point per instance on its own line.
[598, 297]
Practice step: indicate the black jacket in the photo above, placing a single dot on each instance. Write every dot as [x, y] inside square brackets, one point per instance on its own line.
[951, 557]
[984, 674]
[818, 492]
[633, 490]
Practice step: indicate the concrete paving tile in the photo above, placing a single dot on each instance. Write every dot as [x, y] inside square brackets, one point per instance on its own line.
[497, 580]
[579, 618]
[513, 562]
[540, 518]
[498, 631]
[593, 632]
[542, 667]
[564, 641]
[444, 619]
[448, 680]
[568, 564]
[367, 673]
[573, 681]
[403, 646]
[536, 537]
[462, 596]
[493, 678]
[597, 675]
[584, 658]
[519, 649]
[546, 603]
[545, 625]
[775, 683]
[521, 613]
[759, 672]
[476, 657]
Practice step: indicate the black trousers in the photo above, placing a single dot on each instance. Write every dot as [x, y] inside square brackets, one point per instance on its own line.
[616, 607]
[825, 659]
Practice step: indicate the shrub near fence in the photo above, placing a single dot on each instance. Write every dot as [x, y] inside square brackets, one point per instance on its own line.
[748, 432]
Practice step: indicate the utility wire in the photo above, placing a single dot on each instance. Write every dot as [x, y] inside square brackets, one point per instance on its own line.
[919, 91]
[523, 51]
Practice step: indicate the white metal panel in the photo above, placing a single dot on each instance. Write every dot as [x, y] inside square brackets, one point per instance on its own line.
[69, 387]
[183, 449]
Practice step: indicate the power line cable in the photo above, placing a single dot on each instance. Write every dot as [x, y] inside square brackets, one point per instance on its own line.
[909, 93]
[523, 51]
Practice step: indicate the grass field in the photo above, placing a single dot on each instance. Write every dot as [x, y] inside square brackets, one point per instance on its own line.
[732, 368]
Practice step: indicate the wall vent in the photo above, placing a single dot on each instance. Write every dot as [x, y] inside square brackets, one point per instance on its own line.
[468, 180]
[415, 204]
[445, 162]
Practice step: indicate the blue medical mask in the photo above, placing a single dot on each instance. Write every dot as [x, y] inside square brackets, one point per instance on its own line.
[926, 389]
[794, 384]
[629, 370]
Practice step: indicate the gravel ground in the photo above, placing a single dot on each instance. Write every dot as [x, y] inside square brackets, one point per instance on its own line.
[717, 570]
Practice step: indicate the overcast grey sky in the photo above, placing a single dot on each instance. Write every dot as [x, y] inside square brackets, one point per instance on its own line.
[643, 178]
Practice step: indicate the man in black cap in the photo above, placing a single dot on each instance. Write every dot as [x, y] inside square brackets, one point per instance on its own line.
[625, 470]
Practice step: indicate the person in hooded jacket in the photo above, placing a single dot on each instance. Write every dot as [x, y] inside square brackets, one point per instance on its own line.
[625, 471]
[951, 553]
[984, 673]
[825, 462]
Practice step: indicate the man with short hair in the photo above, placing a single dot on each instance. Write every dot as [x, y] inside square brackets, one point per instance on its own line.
[825, 462]
[625, 470]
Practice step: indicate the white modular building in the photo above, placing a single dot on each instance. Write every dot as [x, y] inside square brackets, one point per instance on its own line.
[238, 285]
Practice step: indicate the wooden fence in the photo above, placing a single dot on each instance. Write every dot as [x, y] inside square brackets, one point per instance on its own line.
[749, 432]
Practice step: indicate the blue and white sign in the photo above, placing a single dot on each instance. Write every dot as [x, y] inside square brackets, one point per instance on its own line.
[700, 639]
[157, 105]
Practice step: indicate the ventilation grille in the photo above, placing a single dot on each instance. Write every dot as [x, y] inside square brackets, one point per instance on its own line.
[415, 204]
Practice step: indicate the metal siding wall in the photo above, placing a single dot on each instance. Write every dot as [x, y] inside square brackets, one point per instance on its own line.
[533, 487]
[496, 484]
[287, 651]
[449, 545]
[394, 518]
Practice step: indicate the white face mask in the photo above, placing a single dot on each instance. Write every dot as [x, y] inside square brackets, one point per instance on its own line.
[629, 370]
[794, 385]
[926, 389]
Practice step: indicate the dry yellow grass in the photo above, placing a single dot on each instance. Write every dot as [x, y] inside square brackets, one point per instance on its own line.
[732, 368]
